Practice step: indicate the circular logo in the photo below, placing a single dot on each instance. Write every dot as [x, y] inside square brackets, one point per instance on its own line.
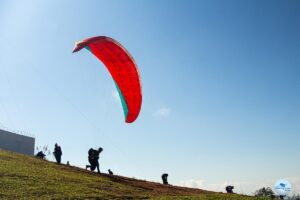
[283, 187]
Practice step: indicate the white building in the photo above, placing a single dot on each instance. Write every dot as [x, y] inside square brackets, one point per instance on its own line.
[16, 142]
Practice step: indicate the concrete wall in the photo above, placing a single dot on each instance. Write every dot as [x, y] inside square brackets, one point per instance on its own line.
[17, 143]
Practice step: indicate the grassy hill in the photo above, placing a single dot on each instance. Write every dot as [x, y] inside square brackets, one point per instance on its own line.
[25, 177]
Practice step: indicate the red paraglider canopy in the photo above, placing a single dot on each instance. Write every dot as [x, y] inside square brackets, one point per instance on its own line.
[123, 70]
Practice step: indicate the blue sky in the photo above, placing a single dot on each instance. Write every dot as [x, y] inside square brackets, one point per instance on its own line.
[221, 87]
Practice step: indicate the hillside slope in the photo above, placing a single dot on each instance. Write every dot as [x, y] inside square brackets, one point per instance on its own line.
[25, 177]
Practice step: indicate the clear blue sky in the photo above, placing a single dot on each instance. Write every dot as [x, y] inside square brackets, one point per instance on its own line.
[221, 86]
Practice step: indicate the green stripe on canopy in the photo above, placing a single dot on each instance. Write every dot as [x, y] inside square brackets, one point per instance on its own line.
[124, 105]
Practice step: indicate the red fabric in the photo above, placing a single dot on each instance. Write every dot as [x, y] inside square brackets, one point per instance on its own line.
[122, 68]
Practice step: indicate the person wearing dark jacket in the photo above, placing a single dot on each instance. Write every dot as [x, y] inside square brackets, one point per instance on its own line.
[165, 179]
[41, 155]
[57, 153]
[229, 189]
[94, 159]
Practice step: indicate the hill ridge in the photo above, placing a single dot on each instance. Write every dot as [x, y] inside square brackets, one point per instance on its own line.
[27, 177]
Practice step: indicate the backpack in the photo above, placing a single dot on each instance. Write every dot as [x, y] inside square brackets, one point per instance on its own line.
[91, 152]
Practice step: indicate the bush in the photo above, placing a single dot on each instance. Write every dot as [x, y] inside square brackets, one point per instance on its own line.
[265, 192]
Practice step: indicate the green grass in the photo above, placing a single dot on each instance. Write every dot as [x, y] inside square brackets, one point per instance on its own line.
[25, 177]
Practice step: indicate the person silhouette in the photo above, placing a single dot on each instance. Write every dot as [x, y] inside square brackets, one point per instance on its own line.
[57, 153]
[165, 178]
[94, 159]
[41, 155]
[229, 189]
[110, 172]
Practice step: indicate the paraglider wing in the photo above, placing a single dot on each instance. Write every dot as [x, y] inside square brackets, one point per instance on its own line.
[122, 68]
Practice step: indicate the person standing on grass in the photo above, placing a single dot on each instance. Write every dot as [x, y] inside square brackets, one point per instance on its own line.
[165, 179]
[57, 153]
